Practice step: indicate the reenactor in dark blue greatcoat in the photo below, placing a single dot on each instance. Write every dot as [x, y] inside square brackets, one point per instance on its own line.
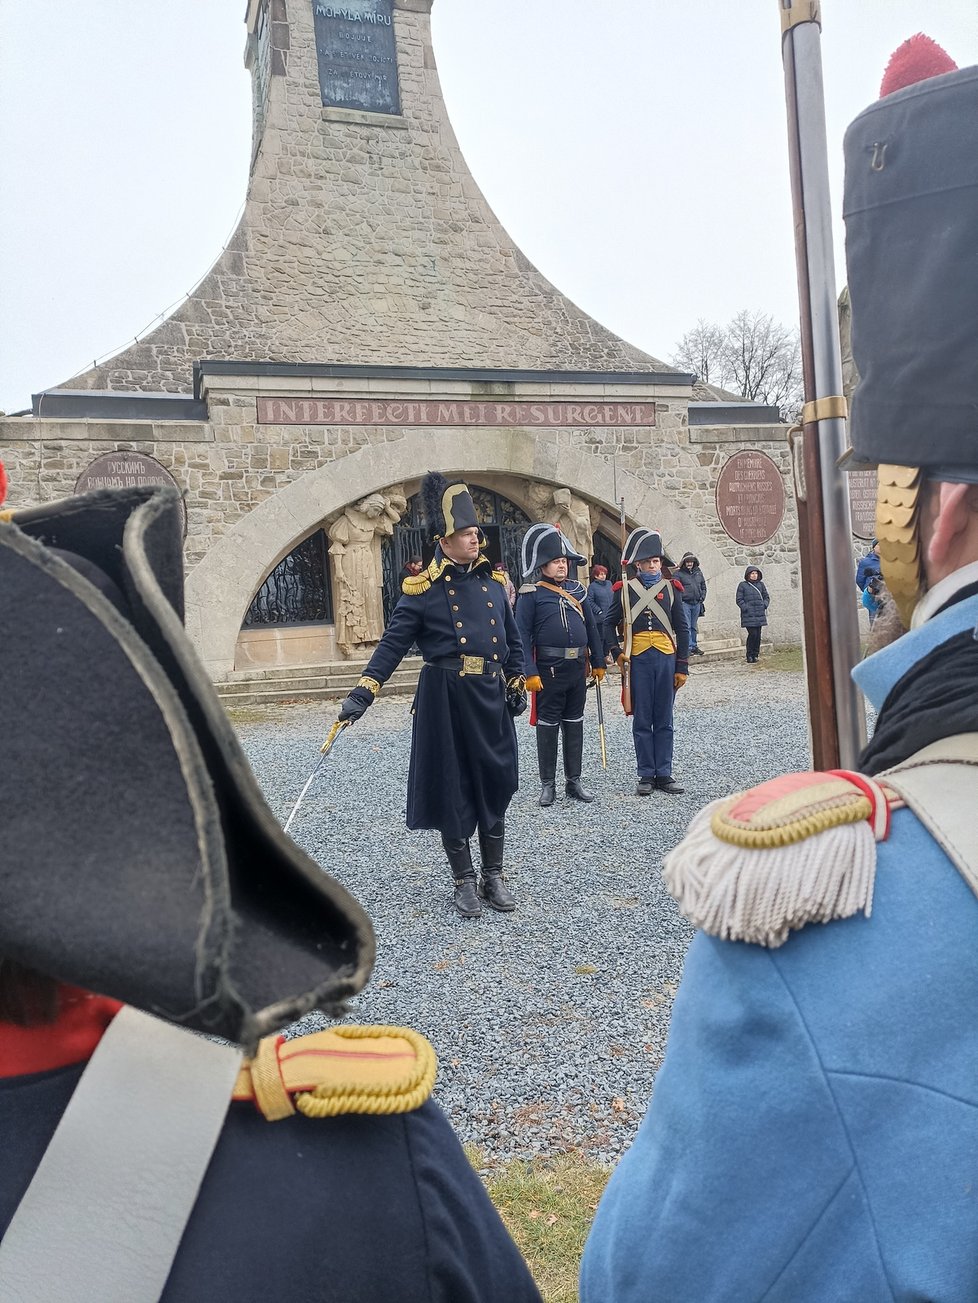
[558, 628]
[463, 770]
[648, 621]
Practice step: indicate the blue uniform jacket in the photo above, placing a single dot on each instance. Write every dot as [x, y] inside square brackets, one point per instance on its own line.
[351, 1209]
[813, 1136]
[671, 596]
[464, 612]
[545, 619]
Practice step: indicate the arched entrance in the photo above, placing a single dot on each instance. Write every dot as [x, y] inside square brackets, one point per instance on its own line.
[502, 521]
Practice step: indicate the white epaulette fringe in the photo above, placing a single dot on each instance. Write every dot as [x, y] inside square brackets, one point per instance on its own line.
[799, 850]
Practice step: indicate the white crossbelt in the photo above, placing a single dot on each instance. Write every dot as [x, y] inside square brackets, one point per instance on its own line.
[940, 785]
[102, 1219]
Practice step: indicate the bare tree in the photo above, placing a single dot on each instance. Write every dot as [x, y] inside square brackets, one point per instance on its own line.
[753, 355]
[701, 350]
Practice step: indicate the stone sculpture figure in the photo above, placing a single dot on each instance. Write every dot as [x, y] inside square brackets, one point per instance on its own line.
[355, 541]
[571, 515]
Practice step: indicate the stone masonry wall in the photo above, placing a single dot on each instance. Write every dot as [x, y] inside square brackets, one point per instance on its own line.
[364, 239]
[232, 464]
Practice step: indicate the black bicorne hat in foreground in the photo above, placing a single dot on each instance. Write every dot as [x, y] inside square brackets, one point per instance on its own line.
[911, 212]
[447, 507]
[543, 543]
[139, 859]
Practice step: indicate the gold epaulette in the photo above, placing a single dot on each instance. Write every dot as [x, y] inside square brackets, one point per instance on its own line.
[343, 1070]
[798, 849]
[414, 585]
[8, 514]
[499, 577]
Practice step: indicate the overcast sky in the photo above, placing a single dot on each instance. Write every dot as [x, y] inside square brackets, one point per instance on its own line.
[634, 149]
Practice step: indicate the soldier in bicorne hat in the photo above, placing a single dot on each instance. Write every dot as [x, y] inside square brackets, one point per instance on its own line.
[148, 893]
[559, 630]
[814, 1130]
[647, 632]
[463, 769]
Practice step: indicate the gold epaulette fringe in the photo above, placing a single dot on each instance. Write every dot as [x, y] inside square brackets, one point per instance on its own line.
[343, 1070]
[499, 577]
[8, 514]
[800, 849]
[414, 585]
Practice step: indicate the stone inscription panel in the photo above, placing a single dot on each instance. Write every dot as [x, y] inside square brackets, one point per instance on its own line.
[369, 411]
[126, 470]
[357, 53]
[862, 503]
[750, 498]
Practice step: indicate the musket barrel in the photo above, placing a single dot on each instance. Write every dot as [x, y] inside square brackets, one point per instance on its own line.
[831, 536]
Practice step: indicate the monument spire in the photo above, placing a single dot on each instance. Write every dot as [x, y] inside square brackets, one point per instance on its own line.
[364, 238]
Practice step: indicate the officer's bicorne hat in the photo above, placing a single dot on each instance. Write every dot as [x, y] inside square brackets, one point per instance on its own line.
[138, 858]
[911, 213]
[543, 543]
[447, 508]
[641, 544]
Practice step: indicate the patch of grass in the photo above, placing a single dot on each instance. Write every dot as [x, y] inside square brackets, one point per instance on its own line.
[548, 1206]
[247, 714]
[782, 658]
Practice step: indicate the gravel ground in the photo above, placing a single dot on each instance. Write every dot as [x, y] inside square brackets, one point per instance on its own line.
[549, 1023]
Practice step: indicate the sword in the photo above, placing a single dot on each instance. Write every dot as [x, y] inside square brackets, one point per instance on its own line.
[597, 698]
[325, 749]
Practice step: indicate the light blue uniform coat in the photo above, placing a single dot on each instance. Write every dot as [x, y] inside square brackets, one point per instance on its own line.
[813, 1134]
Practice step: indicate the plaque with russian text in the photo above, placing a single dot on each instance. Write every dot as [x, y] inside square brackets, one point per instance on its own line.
[357, 54]
[127, 470]
[750, 498]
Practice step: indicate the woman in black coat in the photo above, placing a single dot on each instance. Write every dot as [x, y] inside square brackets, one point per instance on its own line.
[753, 600]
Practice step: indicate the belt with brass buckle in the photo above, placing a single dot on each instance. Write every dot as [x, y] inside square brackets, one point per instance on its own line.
[560, 653]
[465, 664]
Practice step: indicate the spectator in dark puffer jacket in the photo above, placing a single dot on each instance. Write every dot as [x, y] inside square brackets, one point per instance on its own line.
[753, 600]
[690, 576]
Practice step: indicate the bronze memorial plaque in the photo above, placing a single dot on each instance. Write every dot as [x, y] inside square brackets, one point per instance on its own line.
[862, 503]
[750, 498]
[357, 53]
[127, 470]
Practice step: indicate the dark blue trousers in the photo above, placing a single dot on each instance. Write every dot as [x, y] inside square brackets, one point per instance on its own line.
[653, 694]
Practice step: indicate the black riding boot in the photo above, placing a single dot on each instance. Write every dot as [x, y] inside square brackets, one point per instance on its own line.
[497, 894]
[547, 762]
[573, 734]
[460, 858]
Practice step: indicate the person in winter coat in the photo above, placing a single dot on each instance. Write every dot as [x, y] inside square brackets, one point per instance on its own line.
[690, 576]
[868, 566]
[601, 595]
[753, 600]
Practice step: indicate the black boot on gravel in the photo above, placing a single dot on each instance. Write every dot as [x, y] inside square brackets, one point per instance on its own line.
[669, 785]
[645, 786]
[573, 735]
[467, 901]
[497, 894]
[547, 762]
